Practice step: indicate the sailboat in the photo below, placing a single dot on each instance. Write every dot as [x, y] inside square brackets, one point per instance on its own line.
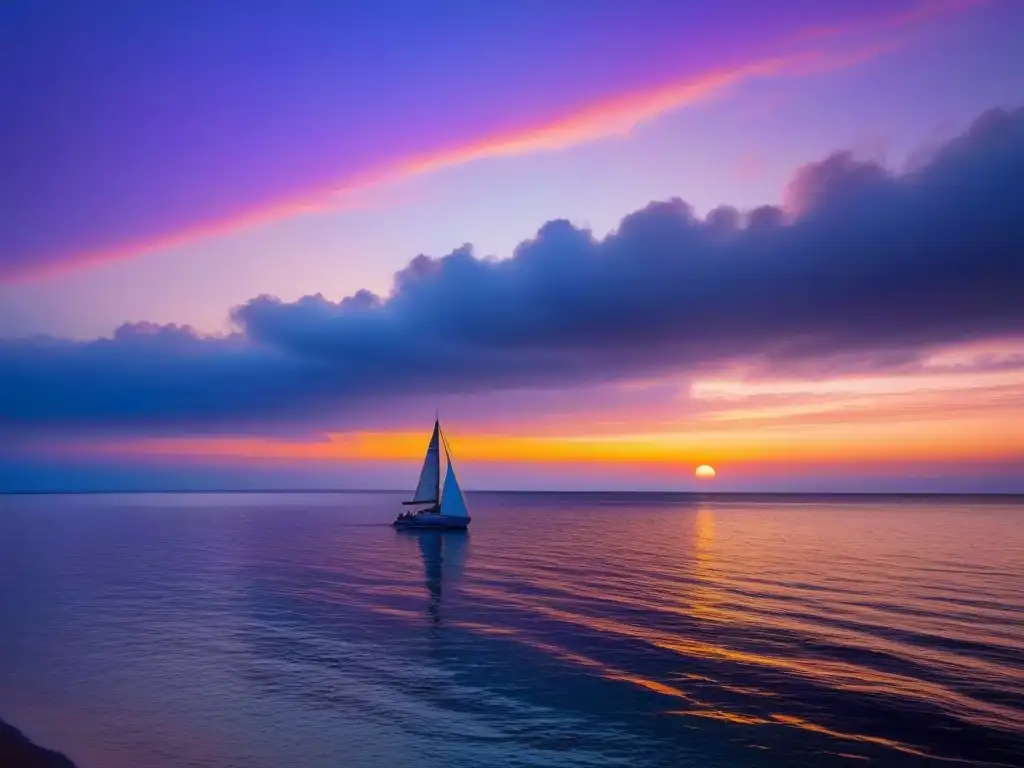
[443, 505]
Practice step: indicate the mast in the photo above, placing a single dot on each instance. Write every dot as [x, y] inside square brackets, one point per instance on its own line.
[436, 477]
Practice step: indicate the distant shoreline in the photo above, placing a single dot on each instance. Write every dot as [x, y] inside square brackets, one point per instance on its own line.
[18, 751]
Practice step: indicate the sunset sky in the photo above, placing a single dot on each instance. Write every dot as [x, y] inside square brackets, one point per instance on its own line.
[257, 245]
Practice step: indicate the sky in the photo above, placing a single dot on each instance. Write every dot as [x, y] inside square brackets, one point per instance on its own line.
[260, 245]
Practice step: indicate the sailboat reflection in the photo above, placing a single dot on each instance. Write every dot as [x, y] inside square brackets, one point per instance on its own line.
[444, 557]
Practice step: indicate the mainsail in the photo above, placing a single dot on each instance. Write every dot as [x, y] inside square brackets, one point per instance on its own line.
[428, 488]
[453, 503]
[447, 504]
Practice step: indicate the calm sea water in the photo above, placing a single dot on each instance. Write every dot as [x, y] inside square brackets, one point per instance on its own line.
[563, 630]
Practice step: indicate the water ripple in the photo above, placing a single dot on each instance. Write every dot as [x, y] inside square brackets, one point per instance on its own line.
[563, 630]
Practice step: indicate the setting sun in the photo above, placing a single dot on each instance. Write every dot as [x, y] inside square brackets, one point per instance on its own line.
[705, 472]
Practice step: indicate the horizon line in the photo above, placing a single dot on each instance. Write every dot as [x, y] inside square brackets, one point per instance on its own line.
[95, 492]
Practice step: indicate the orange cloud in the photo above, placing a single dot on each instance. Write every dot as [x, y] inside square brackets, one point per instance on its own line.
[928, 439]
[948, 411]
[875, 386]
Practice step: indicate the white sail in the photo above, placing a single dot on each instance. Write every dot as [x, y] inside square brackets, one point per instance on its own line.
[453, 503]
[428, 488]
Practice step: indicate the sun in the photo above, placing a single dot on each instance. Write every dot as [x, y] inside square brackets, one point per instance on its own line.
[705, 472]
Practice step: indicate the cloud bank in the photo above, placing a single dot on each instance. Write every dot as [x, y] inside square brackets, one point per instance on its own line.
[862, 262]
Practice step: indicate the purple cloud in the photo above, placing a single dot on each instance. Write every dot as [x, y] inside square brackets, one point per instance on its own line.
[871, 263]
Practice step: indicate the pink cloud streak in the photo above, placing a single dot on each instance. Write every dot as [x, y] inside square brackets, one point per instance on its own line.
[927, 10]
[616, 116]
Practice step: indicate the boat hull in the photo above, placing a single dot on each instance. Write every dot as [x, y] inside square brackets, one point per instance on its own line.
[432, 522]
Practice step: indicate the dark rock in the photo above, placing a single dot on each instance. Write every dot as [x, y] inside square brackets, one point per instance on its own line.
[16, 751]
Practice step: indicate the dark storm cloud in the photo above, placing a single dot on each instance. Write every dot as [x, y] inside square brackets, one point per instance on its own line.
[864, 263]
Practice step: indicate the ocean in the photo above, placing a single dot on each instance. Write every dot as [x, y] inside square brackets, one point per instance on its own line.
[301, 630]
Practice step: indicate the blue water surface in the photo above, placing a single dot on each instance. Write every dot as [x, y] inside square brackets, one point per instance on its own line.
[281, 630]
